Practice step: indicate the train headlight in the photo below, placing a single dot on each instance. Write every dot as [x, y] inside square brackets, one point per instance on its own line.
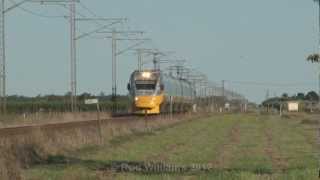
[136, 98]
[146, 74]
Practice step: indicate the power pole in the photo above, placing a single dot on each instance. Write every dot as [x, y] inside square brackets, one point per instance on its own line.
[73, 52]
[316, 56]
[3, 76]
[115, 53]
[114, 70]
[223, 89]
[319, 45]
[3, 94]
[319, 81]
[156, 65]
[73, 42]
[156, 61]
[73, 58]
[267, 94]
[140, 51]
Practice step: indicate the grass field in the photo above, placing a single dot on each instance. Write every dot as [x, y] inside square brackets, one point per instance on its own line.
[219, 147]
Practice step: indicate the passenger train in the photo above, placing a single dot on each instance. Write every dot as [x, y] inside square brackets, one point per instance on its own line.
[155, 92]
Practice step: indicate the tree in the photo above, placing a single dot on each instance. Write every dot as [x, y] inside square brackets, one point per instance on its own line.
[102, 94]
[84, 96]
[312, 96]
[314, 58]
[285, 95]
[300, 96]
[67, 94]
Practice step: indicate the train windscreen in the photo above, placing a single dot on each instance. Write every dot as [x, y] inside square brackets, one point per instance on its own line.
[145, 85]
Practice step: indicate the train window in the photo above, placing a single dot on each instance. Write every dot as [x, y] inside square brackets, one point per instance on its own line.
[145, 86]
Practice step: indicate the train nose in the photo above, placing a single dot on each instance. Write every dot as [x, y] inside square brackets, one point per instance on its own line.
[145, 102]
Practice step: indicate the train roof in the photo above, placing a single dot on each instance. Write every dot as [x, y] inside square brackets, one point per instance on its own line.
[161, 73]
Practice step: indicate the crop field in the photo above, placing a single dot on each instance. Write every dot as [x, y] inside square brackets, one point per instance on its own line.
[218, 147]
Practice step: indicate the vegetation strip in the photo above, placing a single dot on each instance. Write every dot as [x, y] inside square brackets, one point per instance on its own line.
[186, 150]
[225, 151]
[278, 162]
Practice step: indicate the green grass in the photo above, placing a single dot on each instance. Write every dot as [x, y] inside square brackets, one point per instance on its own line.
[234, 146]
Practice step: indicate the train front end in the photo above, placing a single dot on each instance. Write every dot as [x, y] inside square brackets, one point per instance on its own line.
[146, 92]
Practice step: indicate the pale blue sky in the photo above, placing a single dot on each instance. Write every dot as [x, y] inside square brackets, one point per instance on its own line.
[248, 40]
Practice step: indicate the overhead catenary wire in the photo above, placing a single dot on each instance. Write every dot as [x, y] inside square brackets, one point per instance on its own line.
[36, 13]
[89, 10]
[84, 16]
[41, 15]
[81, 14]
[154, 46]
[97, 16]
[93, 14]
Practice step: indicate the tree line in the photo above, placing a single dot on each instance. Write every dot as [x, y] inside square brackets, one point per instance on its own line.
[62, 103]
[311, 96]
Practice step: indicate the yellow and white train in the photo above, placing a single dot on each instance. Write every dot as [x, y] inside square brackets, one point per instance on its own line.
[154, 92]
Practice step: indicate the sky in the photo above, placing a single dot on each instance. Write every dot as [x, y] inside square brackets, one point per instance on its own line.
[237, 41]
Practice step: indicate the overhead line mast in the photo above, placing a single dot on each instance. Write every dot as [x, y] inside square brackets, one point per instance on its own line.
[73, 38]
[114, 38]
[73, 58]
[3, 9]
[2, 59]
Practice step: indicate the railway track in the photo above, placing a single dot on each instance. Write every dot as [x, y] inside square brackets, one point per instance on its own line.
[26, 129]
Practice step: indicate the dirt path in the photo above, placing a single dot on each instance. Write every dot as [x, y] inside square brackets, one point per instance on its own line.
[194, 141]
[278, 162]
[174, 147]
[225, 152]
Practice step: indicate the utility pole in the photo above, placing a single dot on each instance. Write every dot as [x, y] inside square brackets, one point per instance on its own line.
[156, 65]
[140, 52]
[156, 61]
[156, 58]
[223, 89]
[3, 76]
[73, 40]
[73, 58]
[267, 94]
[73, 51]
[3, 94]
[114, 69]
[316, 56]
[318, 1]
[115, 53]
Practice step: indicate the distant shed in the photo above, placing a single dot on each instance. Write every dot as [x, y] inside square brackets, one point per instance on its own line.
[293, 106]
